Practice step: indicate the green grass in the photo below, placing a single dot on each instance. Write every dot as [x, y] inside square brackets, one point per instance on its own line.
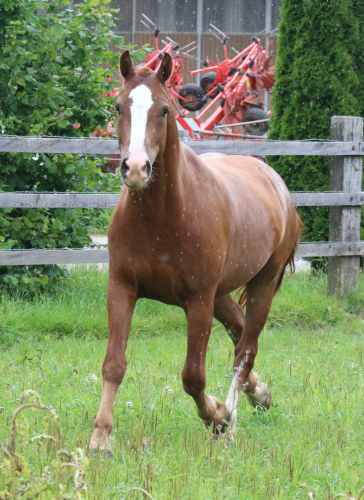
[311, 354]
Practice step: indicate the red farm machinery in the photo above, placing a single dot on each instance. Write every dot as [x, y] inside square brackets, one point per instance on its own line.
[230, 95]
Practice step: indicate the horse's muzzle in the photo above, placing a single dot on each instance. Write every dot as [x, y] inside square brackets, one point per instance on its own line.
[135, 173]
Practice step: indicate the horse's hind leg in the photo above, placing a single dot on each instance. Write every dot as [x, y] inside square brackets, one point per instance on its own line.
[231, 315]
[260, 292]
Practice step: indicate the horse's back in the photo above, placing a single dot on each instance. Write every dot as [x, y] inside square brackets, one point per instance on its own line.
[248, 178]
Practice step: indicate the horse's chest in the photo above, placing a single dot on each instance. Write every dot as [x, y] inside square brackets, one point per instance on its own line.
[165, 267]
[168, 275]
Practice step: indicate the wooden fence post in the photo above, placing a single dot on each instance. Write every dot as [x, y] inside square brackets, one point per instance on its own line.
[345, 176]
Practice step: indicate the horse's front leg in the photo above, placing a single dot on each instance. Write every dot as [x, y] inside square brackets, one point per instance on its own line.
[120, 303]
[199, 312]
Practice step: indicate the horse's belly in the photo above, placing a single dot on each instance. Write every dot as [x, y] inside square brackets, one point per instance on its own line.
[240, 271]
[251, 246]
[161, 289]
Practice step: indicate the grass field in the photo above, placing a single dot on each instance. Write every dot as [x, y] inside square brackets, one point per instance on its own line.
[311, 354]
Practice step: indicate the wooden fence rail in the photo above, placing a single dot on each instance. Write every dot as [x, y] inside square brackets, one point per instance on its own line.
[108, 200]
[93, 145]
[97, 255]
[346, 198]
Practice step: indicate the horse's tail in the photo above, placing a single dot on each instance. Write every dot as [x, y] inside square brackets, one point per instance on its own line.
[289, 262]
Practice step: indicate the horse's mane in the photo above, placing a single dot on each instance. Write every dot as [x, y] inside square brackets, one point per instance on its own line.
[144, 71]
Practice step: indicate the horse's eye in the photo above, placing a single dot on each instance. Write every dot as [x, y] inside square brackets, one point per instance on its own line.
[164, 112]
[117, 107]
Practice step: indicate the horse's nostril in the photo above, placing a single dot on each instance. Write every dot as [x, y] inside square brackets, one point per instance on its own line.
[149, 168]
[124, 168]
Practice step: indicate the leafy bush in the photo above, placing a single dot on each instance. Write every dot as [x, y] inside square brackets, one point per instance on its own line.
[315, 79]
[55, 68]
[63, 477]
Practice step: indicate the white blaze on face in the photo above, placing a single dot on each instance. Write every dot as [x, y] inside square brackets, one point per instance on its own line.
[141, 103]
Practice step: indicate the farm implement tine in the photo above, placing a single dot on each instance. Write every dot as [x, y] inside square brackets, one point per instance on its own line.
[242, 53]
[152, 27]
[149, 20]
[203, 70]
[188, 45]
[220, 94]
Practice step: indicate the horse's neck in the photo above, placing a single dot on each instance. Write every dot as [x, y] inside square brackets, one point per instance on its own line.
[169, 168]
[164, 193]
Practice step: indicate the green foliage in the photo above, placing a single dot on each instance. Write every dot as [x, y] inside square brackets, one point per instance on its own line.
[55, 68]
[62, 478]
[79, 309]
[358, 53]
[311, 354]
[52, 64]
[315, 79]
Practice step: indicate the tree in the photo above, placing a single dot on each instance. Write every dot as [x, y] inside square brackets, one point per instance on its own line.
[315, 79]
[358, 52]
[55, 67]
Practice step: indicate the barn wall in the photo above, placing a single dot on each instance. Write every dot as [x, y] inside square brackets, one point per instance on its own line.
[232, 16]
[210, 47]
[239, 19]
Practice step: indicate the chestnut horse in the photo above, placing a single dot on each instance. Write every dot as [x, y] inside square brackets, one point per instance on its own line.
[187, 231]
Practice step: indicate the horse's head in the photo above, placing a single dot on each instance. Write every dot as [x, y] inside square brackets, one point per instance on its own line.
[142, 108]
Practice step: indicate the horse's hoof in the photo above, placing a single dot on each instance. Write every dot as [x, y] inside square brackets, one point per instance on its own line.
[101, 451]
[217, 428]
[260, 397]
[220, 429]
[226, 430]
[223, 426]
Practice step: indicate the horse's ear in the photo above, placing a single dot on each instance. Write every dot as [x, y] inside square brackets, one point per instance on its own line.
[126, 66]
[165, 69]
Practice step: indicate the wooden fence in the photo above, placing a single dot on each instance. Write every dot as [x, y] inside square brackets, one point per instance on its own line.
[345, 149]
